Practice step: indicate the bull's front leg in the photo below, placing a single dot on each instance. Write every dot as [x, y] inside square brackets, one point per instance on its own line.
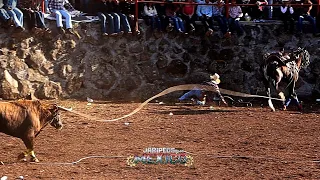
[28, 140]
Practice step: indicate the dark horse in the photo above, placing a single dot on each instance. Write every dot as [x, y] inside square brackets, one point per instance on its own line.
[284, 66]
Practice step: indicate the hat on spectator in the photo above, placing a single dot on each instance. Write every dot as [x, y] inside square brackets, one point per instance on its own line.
[215, 78]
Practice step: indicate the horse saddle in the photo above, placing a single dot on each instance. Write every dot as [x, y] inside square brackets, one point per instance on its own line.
[281, 58]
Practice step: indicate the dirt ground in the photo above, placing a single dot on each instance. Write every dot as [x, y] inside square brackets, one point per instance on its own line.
[225, 142]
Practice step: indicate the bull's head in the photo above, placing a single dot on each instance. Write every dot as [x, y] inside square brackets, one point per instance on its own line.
[55, 114]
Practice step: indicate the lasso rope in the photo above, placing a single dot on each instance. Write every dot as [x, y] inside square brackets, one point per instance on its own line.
[207, 155]
[167, 91]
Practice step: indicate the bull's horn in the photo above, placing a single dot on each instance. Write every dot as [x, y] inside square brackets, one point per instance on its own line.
[64, 109]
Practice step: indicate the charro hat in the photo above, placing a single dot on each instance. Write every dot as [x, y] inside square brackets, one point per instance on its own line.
[215, 78]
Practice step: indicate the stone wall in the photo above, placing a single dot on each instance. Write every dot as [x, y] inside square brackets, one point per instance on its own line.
[137, 67]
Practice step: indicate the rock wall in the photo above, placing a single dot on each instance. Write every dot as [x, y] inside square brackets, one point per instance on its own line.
[137, 67]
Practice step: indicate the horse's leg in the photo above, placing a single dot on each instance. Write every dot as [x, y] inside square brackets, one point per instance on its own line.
[293, 96]
[269, 101]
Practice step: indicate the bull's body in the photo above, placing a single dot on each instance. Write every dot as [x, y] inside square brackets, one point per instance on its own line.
[24, 119]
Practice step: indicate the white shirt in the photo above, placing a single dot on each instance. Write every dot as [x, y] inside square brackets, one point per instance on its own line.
[284, 9]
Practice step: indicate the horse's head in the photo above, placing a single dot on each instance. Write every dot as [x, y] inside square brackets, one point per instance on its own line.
[302, 57]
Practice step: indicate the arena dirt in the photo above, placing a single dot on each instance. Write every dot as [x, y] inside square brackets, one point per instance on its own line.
[225, 142]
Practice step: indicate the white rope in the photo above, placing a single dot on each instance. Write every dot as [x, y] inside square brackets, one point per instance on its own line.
[167, 91]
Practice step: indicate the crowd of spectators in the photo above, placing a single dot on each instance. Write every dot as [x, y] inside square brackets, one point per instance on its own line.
[119, 17]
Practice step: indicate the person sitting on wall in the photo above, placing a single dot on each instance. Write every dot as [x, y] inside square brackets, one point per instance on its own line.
[15, 13]
[33, 16]
[59, 9]
[304, 14]
[103, 10]
[256, 12]
[199, 96]
[287, 15]
[218, 15]
[204, 13]
[188, 15]
[161, 11]
[235, 13]
[171, 13]
[128, 8]
[151, 16]
[6, 21]
[123, 19]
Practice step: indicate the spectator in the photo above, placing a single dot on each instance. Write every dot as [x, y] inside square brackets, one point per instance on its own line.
[161, 11]
[128, 8]
[102, 7]
[33, 16]
[171, 13]
[287, 15]
[59, 9]
[6, 21]
[256, 11]
[200, 95]
[270, 9]
[304, 14]
[15, 13]
[235, 13]
[204, 12]
[188, 15]
[123, 20]
[217, 15]
[152, 16]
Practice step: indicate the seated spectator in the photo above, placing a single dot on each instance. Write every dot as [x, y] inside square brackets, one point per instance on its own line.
[218, 15]
[103, 9]
[59, 9]
[287, 15]
[123, 20]
[256, 11]
[33, 15]
[6, 21]
[188, 15]
[161, 11]
[128, 8]
[204, 12]
[304, 14]
[151, 15]
[235, 13]
[171, 13]
[15, 13]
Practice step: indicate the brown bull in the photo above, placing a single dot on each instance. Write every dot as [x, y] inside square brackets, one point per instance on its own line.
[25, 119]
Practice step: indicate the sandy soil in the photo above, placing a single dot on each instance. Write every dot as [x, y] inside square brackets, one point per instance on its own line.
[225, 142]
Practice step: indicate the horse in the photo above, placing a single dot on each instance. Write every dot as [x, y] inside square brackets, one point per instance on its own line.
[281, 66]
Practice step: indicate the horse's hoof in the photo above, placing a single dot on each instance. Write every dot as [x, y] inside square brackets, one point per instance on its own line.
[34, 159]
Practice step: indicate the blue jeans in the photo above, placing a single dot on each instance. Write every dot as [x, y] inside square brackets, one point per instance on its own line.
[155, 21]
[193, 93]
[104, 19]
[235, 22]
[270, 9]
[308, 18]
[222, 22]
[40, 19]
[17, 16]
[116, 22]
[4, 15]
[178, 23]
[62, 13]
[124, 23]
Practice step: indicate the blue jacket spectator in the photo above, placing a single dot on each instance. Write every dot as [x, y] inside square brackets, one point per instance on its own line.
[5, 18]
[14, 13]
[204, 12]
